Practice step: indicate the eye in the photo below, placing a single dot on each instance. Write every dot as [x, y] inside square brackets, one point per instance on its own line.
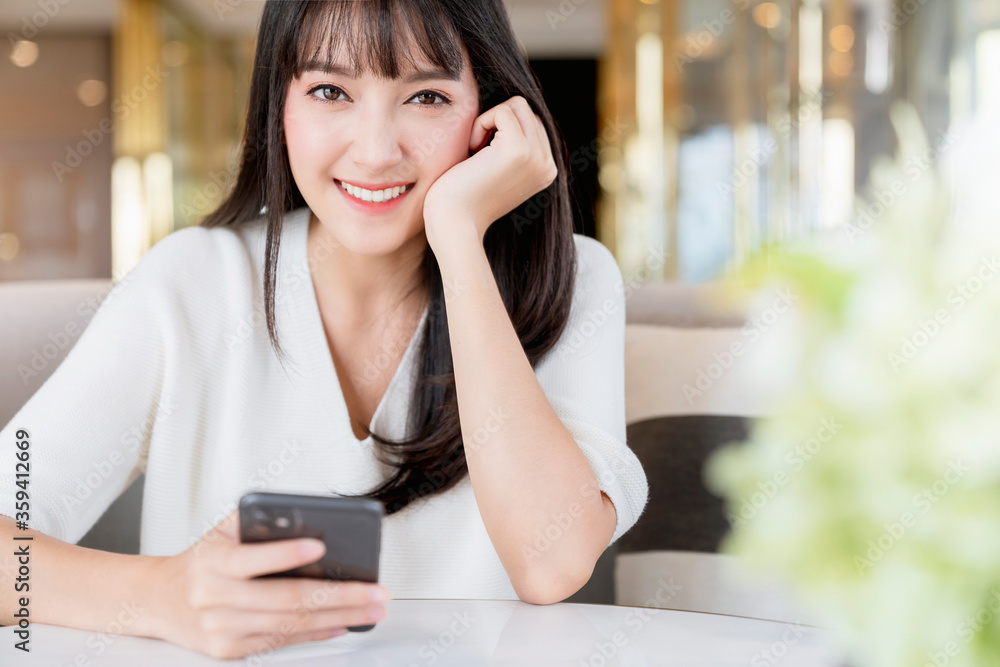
[430, 93]
[333, 90]
[333, 94]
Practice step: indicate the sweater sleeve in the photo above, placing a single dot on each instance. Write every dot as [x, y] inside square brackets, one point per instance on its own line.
[583, 377]
[89, 425]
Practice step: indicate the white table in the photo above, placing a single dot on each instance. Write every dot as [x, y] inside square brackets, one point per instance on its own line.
[420, 633]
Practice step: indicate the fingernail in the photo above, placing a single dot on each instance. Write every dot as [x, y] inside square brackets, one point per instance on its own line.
[379, 595]
[376, 613]
[311, 548]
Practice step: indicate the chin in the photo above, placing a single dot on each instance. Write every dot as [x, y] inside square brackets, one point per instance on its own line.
[376, 239]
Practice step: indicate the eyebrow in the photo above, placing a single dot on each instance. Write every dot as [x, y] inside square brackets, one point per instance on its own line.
[413, 77]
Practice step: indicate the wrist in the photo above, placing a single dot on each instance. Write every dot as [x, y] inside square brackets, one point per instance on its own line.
[154, 582]
[455, 245]
[459, 263]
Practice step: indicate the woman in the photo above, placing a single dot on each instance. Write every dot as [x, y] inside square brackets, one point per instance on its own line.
[391, 302]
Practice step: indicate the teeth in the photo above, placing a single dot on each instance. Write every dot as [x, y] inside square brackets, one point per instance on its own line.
[374, 196]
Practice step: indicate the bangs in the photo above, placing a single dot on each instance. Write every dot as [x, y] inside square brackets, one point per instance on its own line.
[379, 37]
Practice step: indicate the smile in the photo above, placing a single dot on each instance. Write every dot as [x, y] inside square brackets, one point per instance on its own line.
[374, 196]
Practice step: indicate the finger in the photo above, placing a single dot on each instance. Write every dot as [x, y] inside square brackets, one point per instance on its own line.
[245, 561]
[526, 117]
[230, 526]
[544, 145]
[481, 128]
[244, 647]
[301, 637]
[290, 594]
[500, 118]
[542, 134]
[229, 622]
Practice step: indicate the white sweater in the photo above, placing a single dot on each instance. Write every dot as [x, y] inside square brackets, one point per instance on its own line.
[175, 377]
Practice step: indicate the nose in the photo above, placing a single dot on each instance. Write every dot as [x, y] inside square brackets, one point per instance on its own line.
[375, 148]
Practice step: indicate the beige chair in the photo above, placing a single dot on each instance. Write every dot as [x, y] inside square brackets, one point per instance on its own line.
[41, 322]
[690, 387]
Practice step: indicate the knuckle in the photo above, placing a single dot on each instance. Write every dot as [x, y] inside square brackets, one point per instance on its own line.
[357, 596]
[290, 626]
[197, 597]
[211, 622]
[300, 595]
[344, 593]
[222, 648]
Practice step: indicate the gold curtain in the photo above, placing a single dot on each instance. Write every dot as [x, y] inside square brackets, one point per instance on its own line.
[141, 178]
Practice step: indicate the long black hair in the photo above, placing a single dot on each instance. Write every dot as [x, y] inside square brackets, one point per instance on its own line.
[530, 250]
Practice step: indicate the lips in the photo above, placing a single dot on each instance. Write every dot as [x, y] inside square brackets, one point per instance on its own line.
[373, 186]
[373, 201]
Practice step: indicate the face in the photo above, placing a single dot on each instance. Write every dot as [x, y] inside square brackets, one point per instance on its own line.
[349, 139]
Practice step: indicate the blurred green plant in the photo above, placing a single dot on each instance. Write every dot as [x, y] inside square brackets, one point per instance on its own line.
[874, 489]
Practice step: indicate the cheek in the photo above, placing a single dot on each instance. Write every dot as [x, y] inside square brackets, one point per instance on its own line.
[307, 139]
[450, 142]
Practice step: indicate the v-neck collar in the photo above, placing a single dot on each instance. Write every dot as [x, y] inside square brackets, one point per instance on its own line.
[312, 334]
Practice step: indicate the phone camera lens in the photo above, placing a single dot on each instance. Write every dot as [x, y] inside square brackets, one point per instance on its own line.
[282, 522]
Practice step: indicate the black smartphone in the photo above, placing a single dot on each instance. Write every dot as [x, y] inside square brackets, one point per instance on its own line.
[351, 528]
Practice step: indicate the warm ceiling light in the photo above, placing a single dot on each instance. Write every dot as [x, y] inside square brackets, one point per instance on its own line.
[842, 37]
[92, 92]
[767, 15]
[841, 63]
[24, 54]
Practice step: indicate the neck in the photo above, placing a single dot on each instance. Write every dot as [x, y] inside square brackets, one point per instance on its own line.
[368, 288]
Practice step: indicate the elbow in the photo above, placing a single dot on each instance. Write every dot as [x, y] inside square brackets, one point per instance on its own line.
[550, 587]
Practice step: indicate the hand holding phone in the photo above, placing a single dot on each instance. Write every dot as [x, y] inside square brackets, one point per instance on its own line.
[216, 596]
[351, 529]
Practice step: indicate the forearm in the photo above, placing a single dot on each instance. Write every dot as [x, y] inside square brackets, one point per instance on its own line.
[74, 586]
[528, 473]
